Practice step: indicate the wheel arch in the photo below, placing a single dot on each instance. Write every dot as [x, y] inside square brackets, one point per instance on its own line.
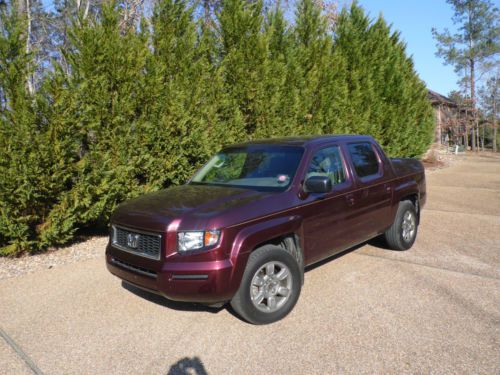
[407, 191]
[290, 242]
[414, 199]
[284, 232]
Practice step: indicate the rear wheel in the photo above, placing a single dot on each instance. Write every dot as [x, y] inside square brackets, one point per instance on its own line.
[403, 232]
[270, 286]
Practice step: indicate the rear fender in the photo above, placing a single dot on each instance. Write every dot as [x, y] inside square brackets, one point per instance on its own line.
[403, 190]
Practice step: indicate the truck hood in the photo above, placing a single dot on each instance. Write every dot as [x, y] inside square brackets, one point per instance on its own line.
[154, 211]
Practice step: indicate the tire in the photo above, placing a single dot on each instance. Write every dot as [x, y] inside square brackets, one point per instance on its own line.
[403, 232]
[270, 286]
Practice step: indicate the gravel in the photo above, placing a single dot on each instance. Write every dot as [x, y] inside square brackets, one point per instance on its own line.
[440, 158]
[89, 249]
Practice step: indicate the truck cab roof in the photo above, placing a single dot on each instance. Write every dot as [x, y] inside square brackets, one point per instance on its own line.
[308, 140]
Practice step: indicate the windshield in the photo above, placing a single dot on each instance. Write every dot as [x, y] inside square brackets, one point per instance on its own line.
[260, 167]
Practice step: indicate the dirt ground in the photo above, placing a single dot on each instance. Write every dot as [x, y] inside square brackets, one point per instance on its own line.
[433, 309]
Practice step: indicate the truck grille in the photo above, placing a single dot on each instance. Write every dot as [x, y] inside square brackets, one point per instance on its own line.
[136, 242]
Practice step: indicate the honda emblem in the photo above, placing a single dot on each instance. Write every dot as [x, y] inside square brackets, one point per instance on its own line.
[132, 240]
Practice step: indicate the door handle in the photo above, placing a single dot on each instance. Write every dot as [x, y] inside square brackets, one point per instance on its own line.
[350, 199]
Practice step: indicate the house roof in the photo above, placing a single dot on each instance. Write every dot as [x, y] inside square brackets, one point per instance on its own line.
[436, 98]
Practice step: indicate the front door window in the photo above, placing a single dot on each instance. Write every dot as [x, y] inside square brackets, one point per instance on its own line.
[327, 162]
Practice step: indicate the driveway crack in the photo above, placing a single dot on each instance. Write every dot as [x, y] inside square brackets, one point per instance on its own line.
[20, 352]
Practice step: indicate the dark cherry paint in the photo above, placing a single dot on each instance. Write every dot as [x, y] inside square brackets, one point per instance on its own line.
[323, 224]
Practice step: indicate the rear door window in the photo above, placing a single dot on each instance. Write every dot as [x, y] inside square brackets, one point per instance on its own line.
[364, 159]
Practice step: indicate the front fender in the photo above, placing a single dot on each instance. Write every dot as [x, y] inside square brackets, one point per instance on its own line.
[251, 236]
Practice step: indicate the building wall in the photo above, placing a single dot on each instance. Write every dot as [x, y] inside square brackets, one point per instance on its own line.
[450, 124]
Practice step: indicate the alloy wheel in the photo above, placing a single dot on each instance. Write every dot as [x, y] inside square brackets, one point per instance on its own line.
[408, 226]
[271, 286]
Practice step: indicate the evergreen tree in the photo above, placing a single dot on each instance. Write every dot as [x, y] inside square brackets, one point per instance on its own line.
[107, 87]
[387, 99]
[490, 96]
[126, 109]
[186, 105]
[351, 43]
[312, 47]
[283, 73]
[248, 71]
[19, 163]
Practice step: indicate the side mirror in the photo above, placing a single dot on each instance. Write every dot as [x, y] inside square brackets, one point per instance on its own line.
[318, 184]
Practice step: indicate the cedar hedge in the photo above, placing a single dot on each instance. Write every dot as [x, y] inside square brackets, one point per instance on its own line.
[124, 112]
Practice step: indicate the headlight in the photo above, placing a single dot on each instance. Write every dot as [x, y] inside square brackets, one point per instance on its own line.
[197, 240]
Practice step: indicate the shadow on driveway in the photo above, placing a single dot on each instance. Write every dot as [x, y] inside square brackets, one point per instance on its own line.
[188, 366]
[174, 305]
[190, 306]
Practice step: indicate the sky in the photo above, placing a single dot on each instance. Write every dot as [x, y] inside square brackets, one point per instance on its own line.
[415, 19]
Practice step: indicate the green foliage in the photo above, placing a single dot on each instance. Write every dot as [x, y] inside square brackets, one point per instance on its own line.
[383, 84]
[21, 164]
[476, 43]
[131, 110]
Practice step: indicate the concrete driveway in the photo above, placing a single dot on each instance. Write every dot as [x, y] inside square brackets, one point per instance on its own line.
[433, 309]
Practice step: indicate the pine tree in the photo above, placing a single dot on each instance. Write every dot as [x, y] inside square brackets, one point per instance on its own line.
[490, 96]
[475, 45]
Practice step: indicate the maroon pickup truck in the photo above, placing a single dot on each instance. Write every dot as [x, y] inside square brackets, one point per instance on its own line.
[248, 222]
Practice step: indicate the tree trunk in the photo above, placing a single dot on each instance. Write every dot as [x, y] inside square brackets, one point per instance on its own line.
[478, 144]
[466, 130]
[472, 78]
[29, 78]
[438, 130]
[482, 139]
[494, 136]
[494, 124]
[473, 102]
[473, 138]
[130, 14]
[24, 9]
[206, 9]
[86, 12]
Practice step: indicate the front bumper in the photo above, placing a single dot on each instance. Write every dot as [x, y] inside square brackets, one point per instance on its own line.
[205, 282]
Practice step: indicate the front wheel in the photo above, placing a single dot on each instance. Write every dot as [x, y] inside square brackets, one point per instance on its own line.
[403, 232]
[270, 286]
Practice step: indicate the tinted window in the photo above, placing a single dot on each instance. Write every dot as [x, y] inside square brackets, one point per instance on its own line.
[364, 159]
[327, 162]
[260, 167]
